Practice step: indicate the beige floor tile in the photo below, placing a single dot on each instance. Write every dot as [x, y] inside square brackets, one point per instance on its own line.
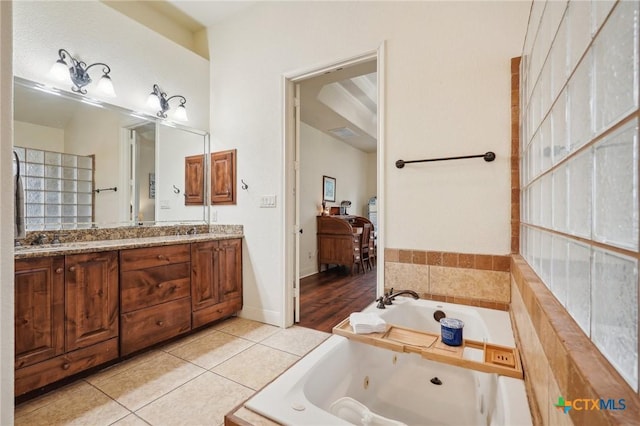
[256, 366]
[138, 386]
[250, 330]
[202, 401]
[46, 399]
[296, 340]
[188, 339]
[130, 420]
[123, 366]
[80, 404]
[212, 349]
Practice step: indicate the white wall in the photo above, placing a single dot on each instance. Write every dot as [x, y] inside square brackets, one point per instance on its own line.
[6, 217]
[94, 32]
[320, 154]
[173, 146]
[100, 139]
[447, 93]
[28, 135]
[146, 164]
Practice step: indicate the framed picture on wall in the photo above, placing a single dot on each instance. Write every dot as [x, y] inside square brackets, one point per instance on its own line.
[328, 188]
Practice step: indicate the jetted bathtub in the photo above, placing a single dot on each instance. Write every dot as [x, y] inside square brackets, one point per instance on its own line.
[343, 381]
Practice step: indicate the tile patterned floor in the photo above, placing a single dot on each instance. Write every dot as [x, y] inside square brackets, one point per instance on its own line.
[193, 381]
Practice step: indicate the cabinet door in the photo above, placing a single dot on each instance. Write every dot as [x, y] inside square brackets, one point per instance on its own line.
[204, 274]
[223, 177]
[230, 269]
[194, 180]
[39, 309]
[92, 298]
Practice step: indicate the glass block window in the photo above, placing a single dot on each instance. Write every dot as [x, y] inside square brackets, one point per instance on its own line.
[579, 157]
[58, 189]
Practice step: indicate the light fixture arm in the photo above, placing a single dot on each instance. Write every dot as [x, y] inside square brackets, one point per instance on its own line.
[164, 101]
[79, 71]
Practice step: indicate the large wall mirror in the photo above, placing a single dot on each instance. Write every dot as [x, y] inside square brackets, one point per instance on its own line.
[89, 164]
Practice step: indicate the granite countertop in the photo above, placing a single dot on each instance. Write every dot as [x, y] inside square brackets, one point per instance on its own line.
[44, 250]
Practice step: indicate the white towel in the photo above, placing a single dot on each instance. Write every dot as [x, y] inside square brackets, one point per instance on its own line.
[363, 323]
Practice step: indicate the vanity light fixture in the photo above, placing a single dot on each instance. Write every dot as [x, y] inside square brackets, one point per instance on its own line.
[158, 100]
[79, 74]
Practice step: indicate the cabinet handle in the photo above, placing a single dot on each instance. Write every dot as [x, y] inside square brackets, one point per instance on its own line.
[66, 366]
[159, 285]
[59, 270]
[160, 323]
[72, 269]
[161, 257]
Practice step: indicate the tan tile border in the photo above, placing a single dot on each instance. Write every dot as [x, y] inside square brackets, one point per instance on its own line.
[579, 368]
[487, 262]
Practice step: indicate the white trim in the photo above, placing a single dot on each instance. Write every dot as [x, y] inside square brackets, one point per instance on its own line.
[288, 80]
[380, 156]
[261, 315]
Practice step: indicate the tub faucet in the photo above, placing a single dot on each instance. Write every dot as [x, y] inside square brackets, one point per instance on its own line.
[390, 296]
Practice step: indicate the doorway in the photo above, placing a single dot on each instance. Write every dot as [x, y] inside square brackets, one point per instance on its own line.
[303, 195]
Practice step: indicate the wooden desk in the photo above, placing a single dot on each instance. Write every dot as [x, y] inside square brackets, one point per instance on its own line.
[338, 240]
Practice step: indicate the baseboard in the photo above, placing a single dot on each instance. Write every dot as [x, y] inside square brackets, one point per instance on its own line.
[261, 315]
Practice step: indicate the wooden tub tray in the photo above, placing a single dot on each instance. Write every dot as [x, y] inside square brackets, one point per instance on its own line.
[503, 360]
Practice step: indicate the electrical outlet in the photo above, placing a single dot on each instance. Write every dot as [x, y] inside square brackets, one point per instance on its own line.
[214, 215]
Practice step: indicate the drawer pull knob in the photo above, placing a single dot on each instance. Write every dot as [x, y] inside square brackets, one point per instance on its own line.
[161, 257]
[59, 270]
[160, 323]
[72, 269]
[66, 366]
[159, 285]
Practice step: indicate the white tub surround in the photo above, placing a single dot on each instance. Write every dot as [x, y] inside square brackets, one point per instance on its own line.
[398, 387]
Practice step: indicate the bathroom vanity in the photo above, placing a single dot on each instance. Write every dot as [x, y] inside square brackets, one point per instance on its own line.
[82, 304]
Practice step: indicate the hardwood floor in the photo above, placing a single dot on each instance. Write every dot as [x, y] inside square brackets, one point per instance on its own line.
[330, 296]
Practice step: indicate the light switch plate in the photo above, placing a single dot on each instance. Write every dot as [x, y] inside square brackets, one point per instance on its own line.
[268, 201]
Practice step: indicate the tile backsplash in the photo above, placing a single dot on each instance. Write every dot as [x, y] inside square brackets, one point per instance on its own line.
[465, 278]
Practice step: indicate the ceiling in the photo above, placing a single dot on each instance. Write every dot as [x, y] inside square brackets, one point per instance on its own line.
[345, 98]
[209, 13]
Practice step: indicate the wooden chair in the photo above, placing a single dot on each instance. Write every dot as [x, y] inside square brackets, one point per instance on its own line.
[372, 247]
[365, 245]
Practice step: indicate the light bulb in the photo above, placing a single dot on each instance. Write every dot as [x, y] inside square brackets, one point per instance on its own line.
[59, 70]
[153, 101]
[105, 86]
[181, 113]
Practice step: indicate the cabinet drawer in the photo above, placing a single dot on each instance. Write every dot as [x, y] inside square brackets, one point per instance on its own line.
[142, 288]
[145, 327]
[150, 257]
[213, 313]
[52, 370]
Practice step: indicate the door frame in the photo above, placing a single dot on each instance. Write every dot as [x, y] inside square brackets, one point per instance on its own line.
[291, 202]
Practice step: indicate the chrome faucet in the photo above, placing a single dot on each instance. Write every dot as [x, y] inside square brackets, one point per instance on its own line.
[390, 296]
[39, 240]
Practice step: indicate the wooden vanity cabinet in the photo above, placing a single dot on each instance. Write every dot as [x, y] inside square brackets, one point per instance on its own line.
[194, 180]
[74, 312]
[155, 302]
[216, 280]
[223, 177]
[91, 291]
[66, 316]
[39, 309]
